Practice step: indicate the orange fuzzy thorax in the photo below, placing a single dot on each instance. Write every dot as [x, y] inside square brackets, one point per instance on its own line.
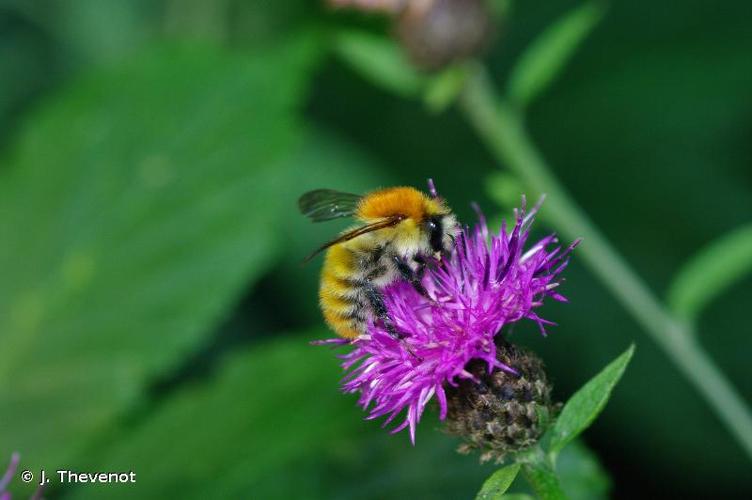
[389, 202]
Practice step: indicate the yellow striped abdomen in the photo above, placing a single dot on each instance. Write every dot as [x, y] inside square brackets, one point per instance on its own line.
[339, 295]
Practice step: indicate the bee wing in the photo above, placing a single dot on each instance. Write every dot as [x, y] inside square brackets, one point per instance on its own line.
[326, 204]
[369, 228]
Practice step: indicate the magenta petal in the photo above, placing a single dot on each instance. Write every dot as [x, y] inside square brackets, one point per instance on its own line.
[441, 396]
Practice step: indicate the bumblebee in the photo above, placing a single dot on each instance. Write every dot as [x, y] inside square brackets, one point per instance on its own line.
[400, 230]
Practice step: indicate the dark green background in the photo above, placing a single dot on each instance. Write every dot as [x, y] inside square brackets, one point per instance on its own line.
[153, 312]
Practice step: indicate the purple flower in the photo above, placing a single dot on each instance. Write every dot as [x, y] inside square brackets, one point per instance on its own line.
[488, 281]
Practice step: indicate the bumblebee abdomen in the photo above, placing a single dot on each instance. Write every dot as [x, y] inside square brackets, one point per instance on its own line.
[340, 294]
[353, 273]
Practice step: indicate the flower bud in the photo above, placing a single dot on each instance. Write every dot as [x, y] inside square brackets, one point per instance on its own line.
[436, 33]
[500, 412]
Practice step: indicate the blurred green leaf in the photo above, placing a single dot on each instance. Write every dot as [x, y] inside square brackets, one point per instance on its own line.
[443, 89]
[379, 60]
[240, 434]
[582, 408]
[257, 23]
[498, 483]
[505, 189]
[135, 208]
[98, 32]
[26, 65]
[547, 55]
[581, 475]
[713, 270]
[500, 8]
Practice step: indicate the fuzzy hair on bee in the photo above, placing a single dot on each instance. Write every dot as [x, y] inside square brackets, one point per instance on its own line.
[398, 231]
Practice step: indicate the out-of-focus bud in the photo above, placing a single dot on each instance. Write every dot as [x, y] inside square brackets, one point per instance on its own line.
[500, 412]
[436, 33]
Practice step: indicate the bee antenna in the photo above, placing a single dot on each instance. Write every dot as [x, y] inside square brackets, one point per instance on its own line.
[432, 189]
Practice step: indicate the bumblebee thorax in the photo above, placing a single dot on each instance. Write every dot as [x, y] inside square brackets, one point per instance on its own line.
[404, 201]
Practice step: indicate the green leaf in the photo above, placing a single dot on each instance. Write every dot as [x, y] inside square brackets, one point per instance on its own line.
[498, 483]
[713, 270]
[500, 8]
[443, 89]
[581, 475]
[380, 61]
[505, 189]
[138, 204]
[582, 408]
[546, 57]
[242, 433]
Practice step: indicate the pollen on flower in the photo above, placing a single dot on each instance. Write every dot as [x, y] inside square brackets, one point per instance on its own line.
[488, 282]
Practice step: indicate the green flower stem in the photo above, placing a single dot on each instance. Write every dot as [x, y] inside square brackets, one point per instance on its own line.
[540, 474]
[502, 129]
[544, 482]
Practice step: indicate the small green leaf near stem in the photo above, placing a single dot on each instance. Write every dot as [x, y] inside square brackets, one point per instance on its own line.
[547, 55]
[585, 405]
[713, 270]
[498, 483]
[379, 60]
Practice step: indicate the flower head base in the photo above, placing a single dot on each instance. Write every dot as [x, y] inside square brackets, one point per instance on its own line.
[487, 282]
[499, 412]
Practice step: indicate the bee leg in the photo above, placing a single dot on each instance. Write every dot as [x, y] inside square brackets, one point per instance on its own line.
[422, 265]
[408, 274]
[377, 304]
[379, 310]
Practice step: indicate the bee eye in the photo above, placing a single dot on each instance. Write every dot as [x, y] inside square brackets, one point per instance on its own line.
[435, 230]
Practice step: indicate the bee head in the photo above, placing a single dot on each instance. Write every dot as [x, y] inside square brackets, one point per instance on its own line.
[441, 230]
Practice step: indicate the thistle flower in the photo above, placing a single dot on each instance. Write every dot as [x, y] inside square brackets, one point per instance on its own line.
[487, 283]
